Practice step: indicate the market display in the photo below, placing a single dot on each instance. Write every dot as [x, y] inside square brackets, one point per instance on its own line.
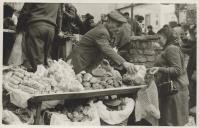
[100, 79]
[58, 78]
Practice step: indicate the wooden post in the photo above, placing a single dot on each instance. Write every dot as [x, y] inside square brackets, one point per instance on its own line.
[38, 113]
[132, 5]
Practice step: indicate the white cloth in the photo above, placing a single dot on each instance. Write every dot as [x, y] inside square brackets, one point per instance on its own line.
[115, 117]
[147, 104]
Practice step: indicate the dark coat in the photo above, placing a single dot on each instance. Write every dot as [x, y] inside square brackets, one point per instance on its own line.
[136, 28]
[174, 109]
[92, 48]
[34, 12]
[124, 35]
[151, 33]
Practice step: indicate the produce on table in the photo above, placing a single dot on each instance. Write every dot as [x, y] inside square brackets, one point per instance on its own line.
[59, 77]
[75, 113]
[79, 113]
[108, 80]
[136, 78]
[104, 76]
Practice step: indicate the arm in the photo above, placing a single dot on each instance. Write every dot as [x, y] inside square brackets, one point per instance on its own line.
[174, 60]
[103, 44]
[59, 17]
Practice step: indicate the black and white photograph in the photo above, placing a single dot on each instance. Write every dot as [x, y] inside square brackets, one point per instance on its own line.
[99, 64]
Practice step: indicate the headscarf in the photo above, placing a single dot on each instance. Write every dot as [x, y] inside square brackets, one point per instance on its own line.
[170, 35]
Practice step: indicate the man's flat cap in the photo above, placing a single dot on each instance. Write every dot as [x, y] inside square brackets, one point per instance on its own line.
[117, 17]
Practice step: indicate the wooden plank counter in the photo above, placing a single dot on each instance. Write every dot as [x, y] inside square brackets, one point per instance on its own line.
[87, 94]
[37, 100]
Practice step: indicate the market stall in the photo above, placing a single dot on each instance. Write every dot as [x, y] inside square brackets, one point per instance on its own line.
[49, 87]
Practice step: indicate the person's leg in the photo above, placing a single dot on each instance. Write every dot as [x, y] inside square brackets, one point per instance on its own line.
[48, 44]
[36, 37]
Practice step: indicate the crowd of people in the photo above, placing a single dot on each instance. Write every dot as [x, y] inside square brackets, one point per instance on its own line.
[45, 24]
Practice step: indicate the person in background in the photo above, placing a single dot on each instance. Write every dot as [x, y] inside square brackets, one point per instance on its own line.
[150, 30]
[174, 108]
[137, 29]
[189, 48]
[88, 23]
[95, 45]
[103, 19]
[126, 15]
[71, 22]
[38, 21]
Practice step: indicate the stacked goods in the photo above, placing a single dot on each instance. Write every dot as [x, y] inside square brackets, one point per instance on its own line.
[59, 77]
[102, 80]
[88, 81]
[136, 78]
[21, 79]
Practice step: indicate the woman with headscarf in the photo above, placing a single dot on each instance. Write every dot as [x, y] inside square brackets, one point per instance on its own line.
[173, 108]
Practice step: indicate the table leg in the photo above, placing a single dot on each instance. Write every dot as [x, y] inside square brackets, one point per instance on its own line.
[38, 113]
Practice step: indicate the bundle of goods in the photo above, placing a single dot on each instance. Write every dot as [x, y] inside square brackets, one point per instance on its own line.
[65, 77]
[136, 78]
[74, 115]
[100, 79]
[59, 77]
[27, 82]
[104, 76]
[115, 111]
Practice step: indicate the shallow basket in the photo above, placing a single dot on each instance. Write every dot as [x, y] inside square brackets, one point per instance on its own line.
[124, 123]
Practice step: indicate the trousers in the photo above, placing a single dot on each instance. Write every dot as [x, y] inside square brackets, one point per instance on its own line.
[37, 45]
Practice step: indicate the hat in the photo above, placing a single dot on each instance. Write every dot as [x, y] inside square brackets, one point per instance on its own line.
[89, 16]
[117, 17]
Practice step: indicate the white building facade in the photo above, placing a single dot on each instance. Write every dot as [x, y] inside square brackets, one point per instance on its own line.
[156, 15]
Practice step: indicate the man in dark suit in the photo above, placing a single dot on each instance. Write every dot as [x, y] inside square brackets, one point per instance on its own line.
[95, 45]
[38, 20]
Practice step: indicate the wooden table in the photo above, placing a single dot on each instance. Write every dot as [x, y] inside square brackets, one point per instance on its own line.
[37, 100]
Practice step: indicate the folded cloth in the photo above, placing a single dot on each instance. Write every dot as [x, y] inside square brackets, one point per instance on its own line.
[147, 105]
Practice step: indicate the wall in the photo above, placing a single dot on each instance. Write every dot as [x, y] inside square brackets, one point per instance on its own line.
[160, 14]
[167, 14]
[142, 50]
[150, 9]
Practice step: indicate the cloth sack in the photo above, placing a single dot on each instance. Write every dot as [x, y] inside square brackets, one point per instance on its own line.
[20, 98]
[147, 104]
